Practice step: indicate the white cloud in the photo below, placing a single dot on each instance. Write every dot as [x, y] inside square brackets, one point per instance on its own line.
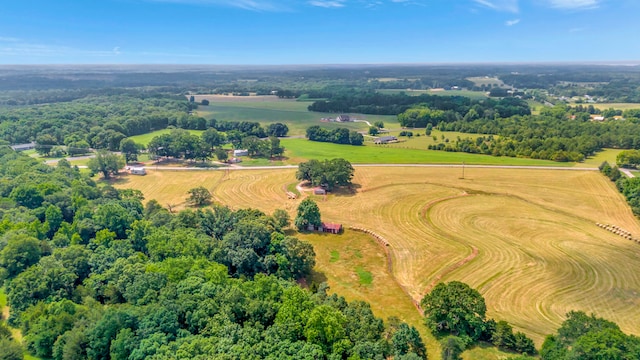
[500, 5]
[255, 5]
[116, 50]
[8, 39]
[512, 22]
[574, 4]
[327, 3]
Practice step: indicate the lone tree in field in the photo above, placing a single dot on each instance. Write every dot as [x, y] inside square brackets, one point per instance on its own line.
[329, 173]
[106, 163]
[455, 308]
[199, 196]
[308, 214]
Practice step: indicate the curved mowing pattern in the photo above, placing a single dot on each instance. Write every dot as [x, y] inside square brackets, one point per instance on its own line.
[527, 239]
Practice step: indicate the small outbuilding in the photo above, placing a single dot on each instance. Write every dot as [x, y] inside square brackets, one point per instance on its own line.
[240, 152]
[385, 140]
[331, 228]
[137, 171]
[343, 118]
[319, 191]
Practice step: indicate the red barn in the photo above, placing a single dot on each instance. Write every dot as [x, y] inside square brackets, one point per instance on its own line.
[331, 228]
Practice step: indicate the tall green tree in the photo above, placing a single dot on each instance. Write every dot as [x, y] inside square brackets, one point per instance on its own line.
[130, 149]
[106, 163]
[308, 214]
[455, 308]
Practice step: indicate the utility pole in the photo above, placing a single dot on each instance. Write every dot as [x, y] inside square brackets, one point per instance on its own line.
[462, 171]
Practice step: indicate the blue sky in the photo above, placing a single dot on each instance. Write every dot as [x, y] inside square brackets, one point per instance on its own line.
[316, 31]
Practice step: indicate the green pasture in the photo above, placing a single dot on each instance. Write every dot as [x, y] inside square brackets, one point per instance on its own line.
[608, 155]
[145, 139]
[421, 141]
[301, 150]
[292, 113]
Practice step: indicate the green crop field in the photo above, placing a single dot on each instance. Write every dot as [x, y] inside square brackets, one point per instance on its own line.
[526, 239]
[301, 149]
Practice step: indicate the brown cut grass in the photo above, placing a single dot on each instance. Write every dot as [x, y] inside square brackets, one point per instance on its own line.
[526, 239]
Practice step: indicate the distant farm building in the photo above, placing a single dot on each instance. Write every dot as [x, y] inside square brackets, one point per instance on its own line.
[242, 152]
[137, 171]
[385, 140]
[23, 147]
[343, 118]
[327, 228]
[331, 228]
[319, 191]
[235, 160]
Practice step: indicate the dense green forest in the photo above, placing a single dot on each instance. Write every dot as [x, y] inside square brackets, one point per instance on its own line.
[92, 273]
[101, 120]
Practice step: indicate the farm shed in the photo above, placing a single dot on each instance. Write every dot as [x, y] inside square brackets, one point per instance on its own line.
[23, 147]
[319, 191]
[331, 228]
[343, 118]
[385, 139]
[138, 171]
[241, 152]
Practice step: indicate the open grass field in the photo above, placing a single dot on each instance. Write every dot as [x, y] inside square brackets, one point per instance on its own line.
[144, 139]
[298, 150]
[526, 239]
[290, 112]
[423, 141]
[608, 155]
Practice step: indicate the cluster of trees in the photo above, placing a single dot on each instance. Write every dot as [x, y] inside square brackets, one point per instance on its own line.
[628, 159]
[336, 135]
[629, 187]
[588, 337]
[547, 149]
[552, 135]
[181, 144]
[456, 314]
[326, 173]
[92, 273]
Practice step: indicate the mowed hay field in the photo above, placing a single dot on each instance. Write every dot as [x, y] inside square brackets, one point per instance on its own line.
[526, 239]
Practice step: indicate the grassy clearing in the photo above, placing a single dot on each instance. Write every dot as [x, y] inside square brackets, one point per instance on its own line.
[539, 253]
[608, 155]
[298, 150]
[365, 277]
[145, 139]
